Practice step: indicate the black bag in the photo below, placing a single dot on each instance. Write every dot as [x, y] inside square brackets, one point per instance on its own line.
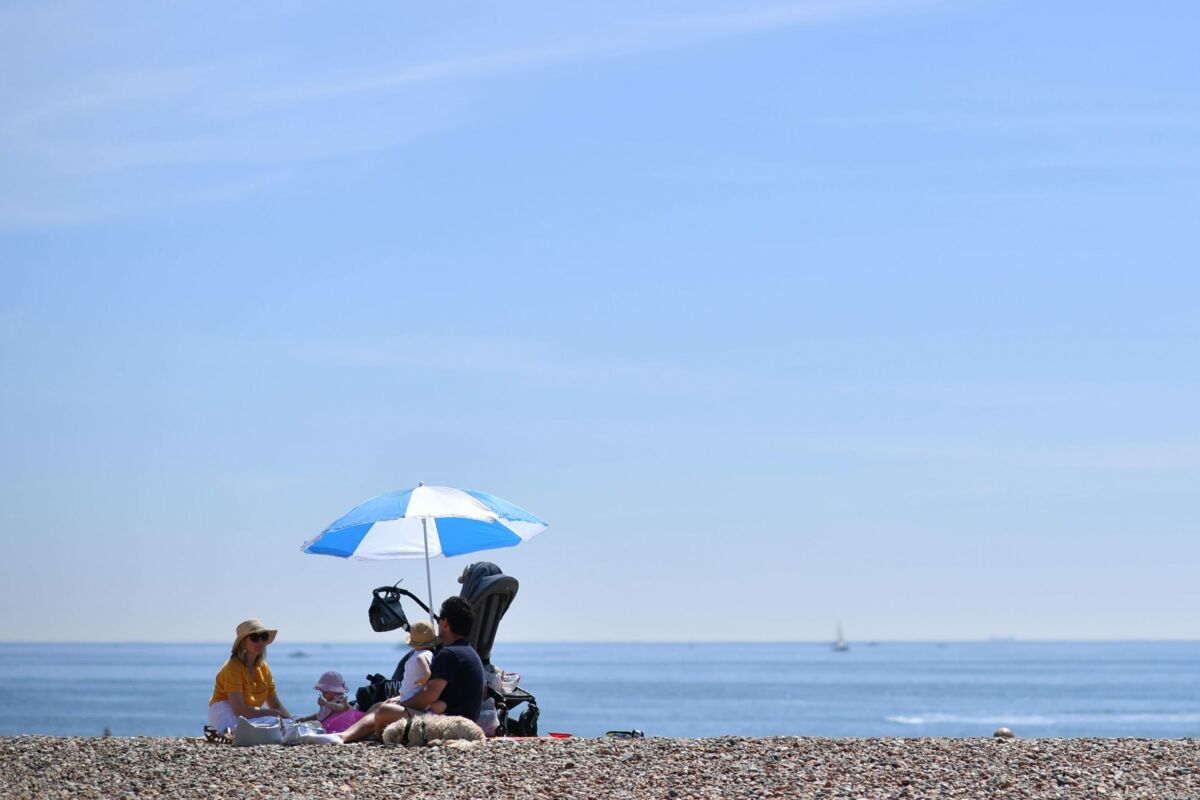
[386, 613]
[379, 689]
[526, 724]
[376, 691]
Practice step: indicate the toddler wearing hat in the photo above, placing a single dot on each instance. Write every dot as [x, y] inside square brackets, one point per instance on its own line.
[334, 712]
[414, 669]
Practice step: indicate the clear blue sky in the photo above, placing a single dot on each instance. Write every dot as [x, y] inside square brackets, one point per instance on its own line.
[780, 313]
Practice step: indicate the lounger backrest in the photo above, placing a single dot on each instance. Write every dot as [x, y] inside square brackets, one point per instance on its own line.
[473, 574]
[490, 594]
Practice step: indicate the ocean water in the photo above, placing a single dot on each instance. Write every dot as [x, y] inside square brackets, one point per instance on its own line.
[1140, 689]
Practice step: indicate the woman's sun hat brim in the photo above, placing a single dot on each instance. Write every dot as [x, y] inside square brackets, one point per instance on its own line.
[253, 626]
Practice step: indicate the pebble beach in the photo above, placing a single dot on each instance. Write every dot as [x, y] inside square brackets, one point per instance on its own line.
[729, 767]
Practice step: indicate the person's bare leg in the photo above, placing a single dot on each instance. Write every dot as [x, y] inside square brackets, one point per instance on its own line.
[380, 717]
[361, 729]
[387, 714]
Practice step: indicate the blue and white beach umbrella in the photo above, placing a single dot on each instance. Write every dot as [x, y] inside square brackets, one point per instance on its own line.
[424, 522]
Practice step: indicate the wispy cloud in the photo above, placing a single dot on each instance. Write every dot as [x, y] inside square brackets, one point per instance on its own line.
[74, 132]
[652, 36]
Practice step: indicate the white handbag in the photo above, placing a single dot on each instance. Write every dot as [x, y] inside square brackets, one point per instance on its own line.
[260, 730]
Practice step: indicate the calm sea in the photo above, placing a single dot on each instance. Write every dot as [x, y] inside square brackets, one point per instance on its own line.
[1144, 689]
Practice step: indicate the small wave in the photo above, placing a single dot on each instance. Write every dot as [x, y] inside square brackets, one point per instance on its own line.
[1038, 719]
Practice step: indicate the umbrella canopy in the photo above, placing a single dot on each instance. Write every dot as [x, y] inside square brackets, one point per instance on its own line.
[424, 522]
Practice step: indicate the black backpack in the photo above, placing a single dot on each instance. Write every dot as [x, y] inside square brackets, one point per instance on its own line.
[379, 688]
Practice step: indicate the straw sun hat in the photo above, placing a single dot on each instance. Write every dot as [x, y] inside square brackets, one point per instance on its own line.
[421, 636]
[252, 626]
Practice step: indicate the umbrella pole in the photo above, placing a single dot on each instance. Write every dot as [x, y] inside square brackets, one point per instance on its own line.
[428, 580]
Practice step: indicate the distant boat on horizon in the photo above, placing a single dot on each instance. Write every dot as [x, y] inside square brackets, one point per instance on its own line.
[840, 646]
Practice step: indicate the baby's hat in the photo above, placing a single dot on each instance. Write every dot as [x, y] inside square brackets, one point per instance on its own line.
[332, 682]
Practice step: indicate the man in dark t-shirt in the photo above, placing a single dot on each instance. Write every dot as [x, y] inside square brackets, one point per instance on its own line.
[456, 677]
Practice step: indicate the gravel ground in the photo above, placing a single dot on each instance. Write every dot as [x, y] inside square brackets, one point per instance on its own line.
[41, 766]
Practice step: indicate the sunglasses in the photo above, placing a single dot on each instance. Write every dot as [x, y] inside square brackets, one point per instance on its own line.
[259, 637]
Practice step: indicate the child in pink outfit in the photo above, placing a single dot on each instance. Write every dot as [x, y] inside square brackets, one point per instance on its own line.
[334, 712]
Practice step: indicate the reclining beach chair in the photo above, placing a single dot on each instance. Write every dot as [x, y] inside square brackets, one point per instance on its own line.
[490, 592]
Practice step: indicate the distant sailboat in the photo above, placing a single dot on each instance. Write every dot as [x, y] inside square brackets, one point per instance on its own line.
[840, 645]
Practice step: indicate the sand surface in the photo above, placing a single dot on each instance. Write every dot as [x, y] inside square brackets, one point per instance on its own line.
[38, 766]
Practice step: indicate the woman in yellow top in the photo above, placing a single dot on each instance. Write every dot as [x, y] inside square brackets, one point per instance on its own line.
[244, 686]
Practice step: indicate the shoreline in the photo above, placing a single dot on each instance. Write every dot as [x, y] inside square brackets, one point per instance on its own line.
[726, 767]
